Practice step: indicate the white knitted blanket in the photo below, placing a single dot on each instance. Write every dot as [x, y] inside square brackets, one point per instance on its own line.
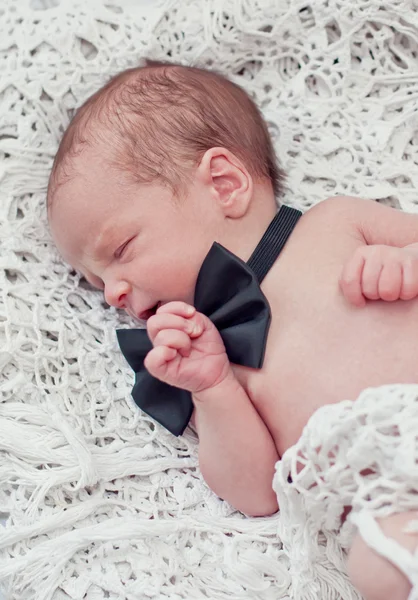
[100, 502]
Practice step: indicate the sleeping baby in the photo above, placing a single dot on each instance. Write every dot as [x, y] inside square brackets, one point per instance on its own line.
[173, 170]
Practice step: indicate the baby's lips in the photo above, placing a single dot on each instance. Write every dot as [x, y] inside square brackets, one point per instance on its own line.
[146, 314]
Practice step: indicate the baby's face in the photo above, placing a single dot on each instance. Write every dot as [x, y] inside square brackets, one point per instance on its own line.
[136, 242]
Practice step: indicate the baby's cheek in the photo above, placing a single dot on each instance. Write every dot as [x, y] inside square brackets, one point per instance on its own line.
[182, 287]
[170, 284]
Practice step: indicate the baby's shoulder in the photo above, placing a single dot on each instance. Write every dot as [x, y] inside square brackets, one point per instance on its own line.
[337, 207]
[333, 223]
[337, 214]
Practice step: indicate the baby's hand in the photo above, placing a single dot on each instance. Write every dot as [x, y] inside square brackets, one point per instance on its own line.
[188, 350]
[380, 273]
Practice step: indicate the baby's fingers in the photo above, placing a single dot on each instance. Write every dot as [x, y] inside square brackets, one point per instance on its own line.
[182, 309]
[372, 270]
[390, 282]
[162, 321]
[156, 360]
[350, 280]
[168, 321]
[409, 287]
[174, 338]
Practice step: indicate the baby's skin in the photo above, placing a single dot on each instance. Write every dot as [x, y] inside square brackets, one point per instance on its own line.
[342, 295]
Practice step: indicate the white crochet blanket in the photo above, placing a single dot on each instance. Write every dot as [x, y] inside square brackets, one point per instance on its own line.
[100, 502]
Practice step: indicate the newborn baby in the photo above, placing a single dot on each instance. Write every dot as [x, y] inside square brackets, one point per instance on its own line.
[155, 167]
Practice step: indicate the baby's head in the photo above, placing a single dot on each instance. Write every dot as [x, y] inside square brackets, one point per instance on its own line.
[154, 167]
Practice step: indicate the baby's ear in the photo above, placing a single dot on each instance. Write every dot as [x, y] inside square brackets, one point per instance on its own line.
[230, 182]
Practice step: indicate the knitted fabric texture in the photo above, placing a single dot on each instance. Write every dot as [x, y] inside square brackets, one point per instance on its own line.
[100, 502]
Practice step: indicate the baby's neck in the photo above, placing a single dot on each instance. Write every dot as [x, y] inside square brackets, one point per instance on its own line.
[249, 231]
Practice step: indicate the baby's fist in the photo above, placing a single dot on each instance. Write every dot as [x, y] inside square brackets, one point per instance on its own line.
[380, 272]
[188, 350]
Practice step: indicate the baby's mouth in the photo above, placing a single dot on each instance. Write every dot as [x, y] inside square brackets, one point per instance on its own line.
[146, 314]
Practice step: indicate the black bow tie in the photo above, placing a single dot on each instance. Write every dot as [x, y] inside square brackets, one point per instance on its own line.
[228, 292]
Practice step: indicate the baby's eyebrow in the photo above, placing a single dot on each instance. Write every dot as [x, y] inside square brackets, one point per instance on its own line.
[104, 240]
[96, 247]
[101, 240]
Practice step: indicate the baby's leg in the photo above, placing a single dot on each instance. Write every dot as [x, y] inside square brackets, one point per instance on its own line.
[376, 577]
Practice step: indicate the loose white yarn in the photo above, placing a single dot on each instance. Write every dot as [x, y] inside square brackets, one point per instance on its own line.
[102, 503]
[362, 455]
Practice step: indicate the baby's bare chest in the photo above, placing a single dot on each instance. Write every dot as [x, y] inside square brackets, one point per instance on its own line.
[321, 350]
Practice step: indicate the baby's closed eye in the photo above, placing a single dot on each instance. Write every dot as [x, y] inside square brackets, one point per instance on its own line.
[121, 249]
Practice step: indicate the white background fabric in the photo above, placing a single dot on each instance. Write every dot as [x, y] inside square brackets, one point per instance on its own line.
[101, 502]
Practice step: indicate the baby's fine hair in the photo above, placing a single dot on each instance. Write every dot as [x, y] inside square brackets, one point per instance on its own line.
[159, 120]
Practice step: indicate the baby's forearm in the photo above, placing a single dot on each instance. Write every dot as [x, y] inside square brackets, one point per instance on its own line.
[236, 451]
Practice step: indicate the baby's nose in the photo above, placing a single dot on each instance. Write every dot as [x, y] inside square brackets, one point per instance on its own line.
[116, 294]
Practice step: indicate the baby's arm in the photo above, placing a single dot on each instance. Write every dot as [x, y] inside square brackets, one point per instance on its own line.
[385, 264]
[237, 454]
